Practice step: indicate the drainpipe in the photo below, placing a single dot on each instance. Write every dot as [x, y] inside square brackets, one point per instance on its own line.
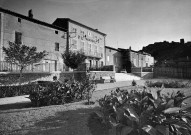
[1, 36]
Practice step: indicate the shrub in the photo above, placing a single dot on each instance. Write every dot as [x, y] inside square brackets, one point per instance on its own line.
[57, 93]
[134, 83]
[145, 113]
[166, 84]
[10, 91]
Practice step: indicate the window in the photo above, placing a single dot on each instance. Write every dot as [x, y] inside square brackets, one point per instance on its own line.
[18, 38]
[101, 51]
[74, 44]
[19, 20]
[89, 47]
[101, 63]
[95, 50]
[56, 46]
[56, 32]
[82, 46]
[107, 58]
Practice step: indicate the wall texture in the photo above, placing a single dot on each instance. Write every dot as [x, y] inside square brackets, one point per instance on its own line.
[13, 78]
[89, 42]
[113, 57]
[34, 34]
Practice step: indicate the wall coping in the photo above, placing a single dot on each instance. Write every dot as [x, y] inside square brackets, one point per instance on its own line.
[102, 71]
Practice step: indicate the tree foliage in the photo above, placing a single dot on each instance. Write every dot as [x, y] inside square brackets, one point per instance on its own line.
[22, 55]
[73, 59]
[167, 51]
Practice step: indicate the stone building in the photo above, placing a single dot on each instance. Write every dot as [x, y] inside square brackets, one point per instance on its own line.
[113, 57]
[86, 39]
[141, 59]
[127, 58]
[27, 30]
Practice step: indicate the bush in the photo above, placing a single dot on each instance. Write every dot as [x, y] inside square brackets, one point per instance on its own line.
[57, 93]
[166, 84]
[10, 91]
[103, 68]
[145, 113]
[134, 83]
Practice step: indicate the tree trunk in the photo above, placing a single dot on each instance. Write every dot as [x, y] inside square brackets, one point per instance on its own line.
[88, 97]
[20, 77]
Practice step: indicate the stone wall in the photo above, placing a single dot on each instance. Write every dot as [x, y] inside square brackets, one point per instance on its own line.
[98, 74]
[144, 75]
[13, 78]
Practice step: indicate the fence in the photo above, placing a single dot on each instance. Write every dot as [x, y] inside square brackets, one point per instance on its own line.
[141, 69]
[40, 67]
[144, 72]
[173, 72]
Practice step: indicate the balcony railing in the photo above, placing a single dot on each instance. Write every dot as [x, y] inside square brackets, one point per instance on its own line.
[93, 54]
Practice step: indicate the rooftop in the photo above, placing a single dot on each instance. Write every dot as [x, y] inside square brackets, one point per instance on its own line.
[80, 24]
[31, 19]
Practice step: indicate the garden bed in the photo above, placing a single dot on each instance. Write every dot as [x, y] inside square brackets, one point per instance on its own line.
[68, 119]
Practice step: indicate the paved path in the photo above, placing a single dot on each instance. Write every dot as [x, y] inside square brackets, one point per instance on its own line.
[23, 99]
[126, 77]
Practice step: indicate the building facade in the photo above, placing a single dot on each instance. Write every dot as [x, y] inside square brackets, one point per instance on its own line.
[139, 59]
[113, 57]
[86, 39]
[127, 58]
[26, 30]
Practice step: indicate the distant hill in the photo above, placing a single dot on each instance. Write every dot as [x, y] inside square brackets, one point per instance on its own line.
[168, 51]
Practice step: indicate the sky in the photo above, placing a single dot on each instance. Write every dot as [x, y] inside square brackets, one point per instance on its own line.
[134, 23]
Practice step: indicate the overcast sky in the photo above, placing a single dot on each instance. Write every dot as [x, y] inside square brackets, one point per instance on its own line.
[134, 23]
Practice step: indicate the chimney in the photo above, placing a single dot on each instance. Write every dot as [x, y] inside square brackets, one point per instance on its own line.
[182, 41]
[30, 14]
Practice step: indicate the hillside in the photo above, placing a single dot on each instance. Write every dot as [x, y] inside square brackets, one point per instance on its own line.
[168, 51]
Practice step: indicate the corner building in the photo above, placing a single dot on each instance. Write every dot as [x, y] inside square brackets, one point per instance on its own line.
[26, 30]
[85, 39]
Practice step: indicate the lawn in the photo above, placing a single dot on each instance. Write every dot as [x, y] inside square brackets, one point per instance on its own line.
[69, 119]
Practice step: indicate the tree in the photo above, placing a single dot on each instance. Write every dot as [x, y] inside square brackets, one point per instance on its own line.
[73, 59]
[22, 56]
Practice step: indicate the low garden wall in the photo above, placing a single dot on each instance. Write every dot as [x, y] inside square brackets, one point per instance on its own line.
[98, 74]
[13, 78]
[144, 75]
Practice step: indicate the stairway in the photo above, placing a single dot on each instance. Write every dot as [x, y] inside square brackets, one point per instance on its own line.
[126, 77]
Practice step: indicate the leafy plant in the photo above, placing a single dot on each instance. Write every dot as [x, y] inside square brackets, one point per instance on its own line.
[57, 93]
[88, 86]
[166, 84]
[144, 112]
